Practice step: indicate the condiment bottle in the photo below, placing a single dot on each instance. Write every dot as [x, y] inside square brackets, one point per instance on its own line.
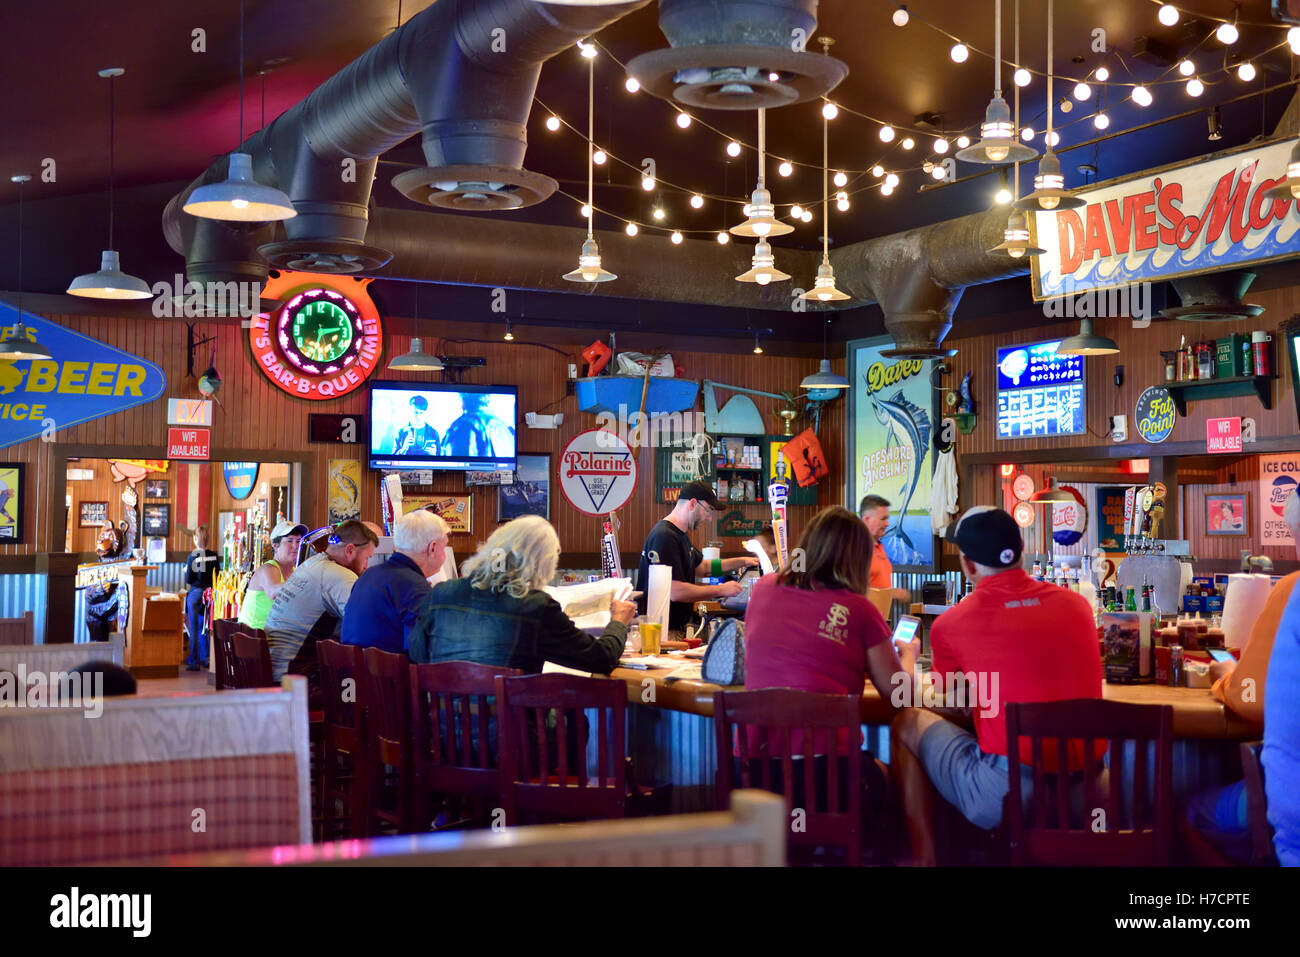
[1204, 362]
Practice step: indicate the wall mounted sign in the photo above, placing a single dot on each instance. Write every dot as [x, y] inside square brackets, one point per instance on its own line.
[92, 514]
[189, 411]
[344, 429]
[1278, 475]
[529, 490]
[83, 379]
[189, 444]
[344, 499]
[240, 478]
[1110, 515]
[157, 519]
[1069, 519]
[453, 509]
[735, 525]
[1165, 223]
[1023, 513]
[323, 341]
[11, 502]
[893, 410]
[1039, 391]
[1155, 414]
[1223, 435]
[1023, 487]
[597, 472]
[1225, 514]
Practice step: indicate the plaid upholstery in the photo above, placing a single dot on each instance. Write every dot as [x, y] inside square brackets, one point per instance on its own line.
[116, 812]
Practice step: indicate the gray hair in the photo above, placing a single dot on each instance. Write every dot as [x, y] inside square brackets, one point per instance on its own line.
[415, 531]
[517, 558]
[1291, 513]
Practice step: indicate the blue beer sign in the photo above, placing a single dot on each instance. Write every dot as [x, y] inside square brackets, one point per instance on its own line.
[240, 477]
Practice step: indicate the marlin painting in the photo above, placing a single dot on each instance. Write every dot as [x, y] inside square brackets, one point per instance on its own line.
[906, 425]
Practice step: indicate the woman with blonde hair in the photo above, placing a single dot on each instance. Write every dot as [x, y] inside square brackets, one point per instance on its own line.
[497, 614]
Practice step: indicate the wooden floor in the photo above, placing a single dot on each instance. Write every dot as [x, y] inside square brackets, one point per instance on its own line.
[186, 681]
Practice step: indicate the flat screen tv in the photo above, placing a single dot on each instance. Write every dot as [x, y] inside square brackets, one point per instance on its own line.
[416, 425]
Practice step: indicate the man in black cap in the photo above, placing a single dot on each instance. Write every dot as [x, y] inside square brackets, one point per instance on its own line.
[669, 544]
[1012, 639]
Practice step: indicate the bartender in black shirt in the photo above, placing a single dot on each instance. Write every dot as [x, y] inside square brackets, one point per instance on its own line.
[669, 544]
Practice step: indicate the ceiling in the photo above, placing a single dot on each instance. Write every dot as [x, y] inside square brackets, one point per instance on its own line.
[177, 109]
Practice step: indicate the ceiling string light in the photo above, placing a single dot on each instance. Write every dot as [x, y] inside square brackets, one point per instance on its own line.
[823, 289]
[17, 346]
[239, 197]
[1015, 238]
[110, 282]
[1049, 185]
[997, 142]
[589, 268]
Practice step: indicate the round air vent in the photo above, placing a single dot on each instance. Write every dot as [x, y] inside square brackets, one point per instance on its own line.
[324, 255]
[474, 188]
[736, 76]
[1213, 297]
[1212, 312]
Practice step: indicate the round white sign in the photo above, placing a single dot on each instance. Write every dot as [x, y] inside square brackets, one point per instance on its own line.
[597, 472]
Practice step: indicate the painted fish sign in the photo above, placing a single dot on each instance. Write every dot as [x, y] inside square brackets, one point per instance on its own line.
[890, 447]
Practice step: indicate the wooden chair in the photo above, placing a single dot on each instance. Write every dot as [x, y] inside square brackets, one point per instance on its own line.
[452, 704]
[223, 650]
[1261, 832]
[387, 794]
[18, 631]
[830, 791]
[252, 666]
[1048, 839]
[343, 755]
[539, 777]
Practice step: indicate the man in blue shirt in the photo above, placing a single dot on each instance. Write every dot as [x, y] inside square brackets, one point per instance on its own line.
[387, 597]
[1281, 753]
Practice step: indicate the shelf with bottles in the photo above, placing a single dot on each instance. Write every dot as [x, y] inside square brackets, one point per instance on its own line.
[1196, 390]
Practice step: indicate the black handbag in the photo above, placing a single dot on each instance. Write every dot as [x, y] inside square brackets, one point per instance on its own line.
[724, 658]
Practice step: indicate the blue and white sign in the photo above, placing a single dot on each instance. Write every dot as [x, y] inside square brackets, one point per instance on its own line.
[241, 478]
[1039, 391]
[83, 379]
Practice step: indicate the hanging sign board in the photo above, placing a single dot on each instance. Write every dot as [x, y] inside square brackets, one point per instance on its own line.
[597, 472]
[240, 478]
[1223, 435]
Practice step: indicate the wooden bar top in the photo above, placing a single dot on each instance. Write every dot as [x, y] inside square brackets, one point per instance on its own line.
[1196, 713]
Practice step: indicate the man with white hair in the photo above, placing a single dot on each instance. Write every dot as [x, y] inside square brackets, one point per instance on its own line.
[386, 598]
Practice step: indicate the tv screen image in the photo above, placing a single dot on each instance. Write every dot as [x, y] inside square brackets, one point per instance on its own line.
[449, 427]
[1039, 392]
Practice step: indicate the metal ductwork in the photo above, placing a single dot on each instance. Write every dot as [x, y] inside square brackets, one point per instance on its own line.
[462, 73]
[737, 55]
[1213, 297]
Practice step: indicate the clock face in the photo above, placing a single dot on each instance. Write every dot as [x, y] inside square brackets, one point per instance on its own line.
[320, 332]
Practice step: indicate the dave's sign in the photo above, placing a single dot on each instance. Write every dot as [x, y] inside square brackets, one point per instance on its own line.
[1179, 221]
[83, 379]
[597, 472]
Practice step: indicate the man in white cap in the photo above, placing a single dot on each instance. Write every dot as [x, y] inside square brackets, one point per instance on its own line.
[270, 578]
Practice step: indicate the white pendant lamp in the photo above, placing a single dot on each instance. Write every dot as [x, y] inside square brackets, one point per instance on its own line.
[417, 360]
[110, 282]
[18, 347]
[823, 289]
[762, 221]
[589, 268]
[763, 266]
[1015, 238]
[239, 197]
[1049, 185]
[997, 142]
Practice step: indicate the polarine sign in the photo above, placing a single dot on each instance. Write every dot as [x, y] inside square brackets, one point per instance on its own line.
[1178, 221]
[597, 472]
[83, 379]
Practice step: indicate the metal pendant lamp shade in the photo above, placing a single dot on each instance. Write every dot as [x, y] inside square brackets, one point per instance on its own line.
[589, 268]
[761, 221]
[109, 282]
[1051, 495]
[1015, 239]
[1049, 188]
[18, 346]
[823, 289]
[417, 360]
[1289, 188]
[239, 197]
[824, 378]
[763, 267]
[997, 143]
[1087, 343]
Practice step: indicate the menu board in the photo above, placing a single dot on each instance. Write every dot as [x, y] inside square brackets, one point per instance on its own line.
[1039, 392]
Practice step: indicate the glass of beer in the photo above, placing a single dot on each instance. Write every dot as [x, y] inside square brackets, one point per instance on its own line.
[651, 631]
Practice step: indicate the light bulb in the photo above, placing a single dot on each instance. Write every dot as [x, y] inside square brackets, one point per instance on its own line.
[676, 237]
[1186, 67]
[941, 146]
[586, 211]
[658, 213]
[1246, 72]
[697, 201]
[927, 166]
[842, 205]
[891, 180]
[733, 148]
[1293, 40]
[761, 229]
[886, 134]
[938, 172]
[762, 277]
[886, 190]
[785, 169]
[1101, 121]
[773, 77]
[647, 183]
[1102, 74]
[552, 123]
[1195, 87]
[963, 142]
[239, 203]
[796, 211]
[631, 84]
[841, 179]
[1065, 106]
[599, 157]
[877, 171]
[1141, 96]
[1168, 14]
[1027, 133]
[1227, 34]
[1082, 91]
[997, 153]
[841, 197]
[723, 238]
[589, 273]
[807, 216]
[959, 53]
[824, 296]
[830, 110]
[900, 17]
[1022, 77]
[683, 120]
[1015, 252]
[588, 50]
[631, 229]
[1049, 202]
[1002, 196]
[908, 143]
[758, 350]
[1053, 138]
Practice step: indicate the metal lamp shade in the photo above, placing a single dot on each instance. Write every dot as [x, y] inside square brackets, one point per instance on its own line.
[417, 360]
[239, 197]
[20, 347]
[824, 378]
[110, 282]
[1087, 343]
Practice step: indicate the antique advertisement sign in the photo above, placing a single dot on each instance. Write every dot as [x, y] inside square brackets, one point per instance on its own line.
[597, 472]
[1278, 475]
[453, 509]
[344, 490]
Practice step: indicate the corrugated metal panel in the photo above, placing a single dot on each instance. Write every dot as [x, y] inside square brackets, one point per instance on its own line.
[23, 593]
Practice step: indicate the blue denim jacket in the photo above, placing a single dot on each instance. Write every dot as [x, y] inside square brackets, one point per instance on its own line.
[458, 622]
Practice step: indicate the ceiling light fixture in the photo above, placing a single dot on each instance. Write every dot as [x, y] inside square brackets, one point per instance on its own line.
[1195, 87]
[733, 148]
[1227, 33]
[1052, 494]
[841, 179]
[631, 229]
[1186, 67]
[963, 142]
[900, 16]
[908, 143]
[1015, 238]
[823, 289]
[598, 157]
[997, 143]
[1215, 127]
[1293, 40]
[760, 214]
[723, 238]
[824, 378]
[683, 120]
[631, 84]
[1027, 133]
[785, 169]
[417, 360]
[796, 211]
[697, 201]
[648, 183]
[758, 348]
[886, 134]
[239, 197]
[1049, 185]
[1101, 121]
[589, 267]
[959, 53]
[552, 123]
[762, 269]
[1246, 71]
[1022, 77]
[676, 237]
[877, 171]
[1102, 74]
[1087, 343]
[807, 216]
[830, 110]
[658, 213]
[1168, 14]
[1003, 194]
[510, 332]
[1141, 95]
[19, 345]
[588, 50]
[940, 146]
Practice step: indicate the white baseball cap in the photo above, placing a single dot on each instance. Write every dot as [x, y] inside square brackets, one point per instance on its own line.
[286, 528]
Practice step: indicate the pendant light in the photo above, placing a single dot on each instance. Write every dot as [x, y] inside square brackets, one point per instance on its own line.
[1087, 343]
[997, 142]
[239, 197]
[417, 360]
[1051, 495]
[18, 347]
[1015, 238]
[762, 266]
[589, 268]
[762, 221]
[824, 378]
[110, 282]
[1049, 185]
[823, 289]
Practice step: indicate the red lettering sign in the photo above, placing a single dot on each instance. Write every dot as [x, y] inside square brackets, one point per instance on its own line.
[189, 444]
[1223, 435]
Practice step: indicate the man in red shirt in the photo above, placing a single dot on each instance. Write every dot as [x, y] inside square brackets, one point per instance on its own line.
[1012, 639]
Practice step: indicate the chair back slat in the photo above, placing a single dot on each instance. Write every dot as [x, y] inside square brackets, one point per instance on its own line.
[344, 758]
[18, 631]
[252, 667]
[388, 734]
[1261, 832]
